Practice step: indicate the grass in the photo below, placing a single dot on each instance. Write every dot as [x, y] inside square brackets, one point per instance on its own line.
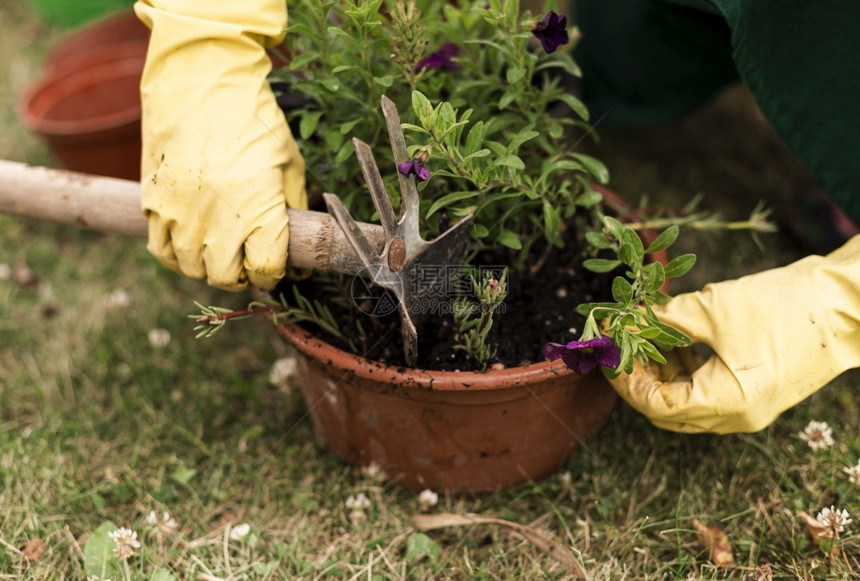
[99, 425]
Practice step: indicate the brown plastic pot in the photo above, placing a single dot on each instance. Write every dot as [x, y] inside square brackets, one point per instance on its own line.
[89, 114]
[444, 430]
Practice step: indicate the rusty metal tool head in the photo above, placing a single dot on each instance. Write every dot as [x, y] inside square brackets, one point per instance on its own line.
[409, 266]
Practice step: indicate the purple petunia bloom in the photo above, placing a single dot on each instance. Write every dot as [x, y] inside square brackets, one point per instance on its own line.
[552, 31]
[441, 59]
[583, 356]
[414, 167]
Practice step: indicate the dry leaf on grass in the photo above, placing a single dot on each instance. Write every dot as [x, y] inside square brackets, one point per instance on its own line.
[817, 530]
[426, 522]
[717, 544]
[33, 550]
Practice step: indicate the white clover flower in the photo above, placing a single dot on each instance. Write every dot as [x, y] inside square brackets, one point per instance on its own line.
[818, 435]
[118, 299]
[427, 499]
[373, 471]
[834, 520]
[357, 505]
[357, 502]
[5, 271]
[125, 542]
[164, 527]
[853, 473]
[240, 531]
[159, 338]
[282, 370]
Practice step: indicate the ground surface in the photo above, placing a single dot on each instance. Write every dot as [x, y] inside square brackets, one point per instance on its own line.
[100, 420]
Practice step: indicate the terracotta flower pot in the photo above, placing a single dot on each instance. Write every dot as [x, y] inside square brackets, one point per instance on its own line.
[444, 430]
[117, 29]
[89, 114]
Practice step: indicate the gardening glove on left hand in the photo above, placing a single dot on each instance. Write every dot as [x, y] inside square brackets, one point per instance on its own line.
[220, 165]
[777, 336]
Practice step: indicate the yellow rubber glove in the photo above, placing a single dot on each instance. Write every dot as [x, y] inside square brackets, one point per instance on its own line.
[777, 336]
[219, 163]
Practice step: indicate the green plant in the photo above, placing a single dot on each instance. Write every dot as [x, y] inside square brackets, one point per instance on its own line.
[479, 114]
[629, 318]
[473, 321]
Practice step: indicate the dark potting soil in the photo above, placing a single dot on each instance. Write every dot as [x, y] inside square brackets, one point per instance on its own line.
[538, 308]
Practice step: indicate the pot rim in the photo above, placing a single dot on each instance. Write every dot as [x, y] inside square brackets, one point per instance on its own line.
[66, 82]
[428, 379]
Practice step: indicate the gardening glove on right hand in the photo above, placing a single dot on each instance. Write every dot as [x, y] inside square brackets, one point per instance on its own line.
[777, 336]
[220, 165]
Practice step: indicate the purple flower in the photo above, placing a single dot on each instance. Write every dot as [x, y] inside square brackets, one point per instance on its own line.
[441, 59]
[552, 31]
[583, 356]
[414, 167]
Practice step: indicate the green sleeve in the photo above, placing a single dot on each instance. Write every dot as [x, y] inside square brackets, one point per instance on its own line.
[650, 59]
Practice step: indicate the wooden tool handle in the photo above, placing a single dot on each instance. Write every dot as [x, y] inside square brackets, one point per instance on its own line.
[113, 205]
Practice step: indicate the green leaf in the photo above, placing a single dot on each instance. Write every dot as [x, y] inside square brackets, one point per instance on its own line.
[301, 60]
[333, 139]
[478, 154]
[183, 474]
[385, 81]
[666, 238]
[655, 276]
[99, 560]
[162, 574]
[419, 546]
[670, 336]
[449, 199]
[347, 127]
[601, 264]
[632, 238]
[552, 223]
[331, 85]
[345, 151]
[650, 332]
[586, 308]
[343, 68]
[514, 74]
[562, 61]
[652, 352]
[308, 124]
[597, 240]
[680, 265]
[522, 137]
[509, 239]
[475, 137]
[589, 198]
[511, 161]
[594, 166]
[622, 290]
[422, 107]
[626, 359]
[576, 105]
[626, 254]
[566, 164]
[509, 97]
[616, 229]
[416, 128]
